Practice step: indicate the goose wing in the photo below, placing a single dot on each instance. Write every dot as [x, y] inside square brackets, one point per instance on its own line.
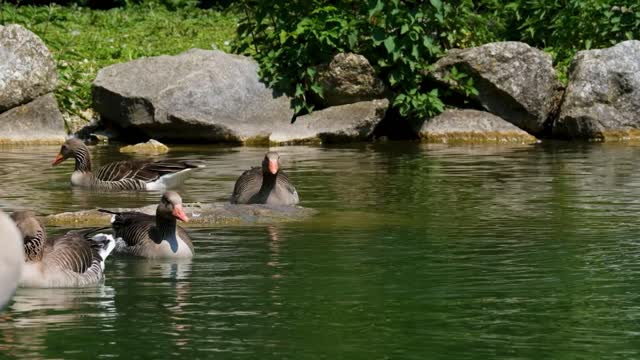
[133, 227]
[71, 251]
[247, 185]
[144, 170]
[283, 180]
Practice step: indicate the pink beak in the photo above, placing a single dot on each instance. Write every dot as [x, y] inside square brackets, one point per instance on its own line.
[273, 166]
[59, 158]
[179, 214]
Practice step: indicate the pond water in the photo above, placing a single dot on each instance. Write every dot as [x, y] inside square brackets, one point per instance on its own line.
[417, 252]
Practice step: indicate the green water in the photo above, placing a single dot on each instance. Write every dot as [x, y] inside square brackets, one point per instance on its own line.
[418, 252]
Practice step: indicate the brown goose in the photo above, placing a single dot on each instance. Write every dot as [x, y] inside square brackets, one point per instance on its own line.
[265, 185]
[72, 260]
[11, 258]
[152, 236]
[123, 175]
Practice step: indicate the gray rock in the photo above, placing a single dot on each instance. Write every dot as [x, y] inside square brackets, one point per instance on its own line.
[344, 123]
[349, 78]
[514, 81]
[200, 215]
[27, 69]
[471, 126]
[39, 121]
[602, 100]
[198, 95]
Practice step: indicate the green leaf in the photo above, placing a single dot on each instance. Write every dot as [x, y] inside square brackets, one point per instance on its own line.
[436, 4]
[390, 44]
[376, 8]
[404, 28]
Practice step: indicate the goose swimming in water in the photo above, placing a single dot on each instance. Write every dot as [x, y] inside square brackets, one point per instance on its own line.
[123, 175]
[11, 258]
[74, 259]
[153, 236]
[265, 185]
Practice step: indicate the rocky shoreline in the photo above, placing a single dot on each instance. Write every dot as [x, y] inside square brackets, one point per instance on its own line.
[208, 96]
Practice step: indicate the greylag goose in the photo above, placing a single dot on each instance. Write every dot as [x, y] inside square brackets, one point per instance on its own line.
[152, 236]
[74, 259]
[123, 175]
[265, 185]
[11, 258]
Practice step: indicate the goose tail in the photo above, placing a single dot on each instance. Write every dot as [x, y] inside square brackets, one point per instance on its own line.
[105, 244]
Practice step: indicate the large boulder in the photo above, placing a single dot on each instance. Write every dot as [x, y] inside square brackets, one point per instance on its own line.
[344, 123]
[349, 78]
[514, 81]
[198, 95]
[27, 69]
[471, 126]
[38, 121]
[602, 99]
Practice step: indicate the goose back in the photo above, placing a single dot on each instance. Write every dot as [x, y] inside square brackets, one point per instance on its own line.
[251, 188]
[74, 259]
[11, 258]
[140, 235]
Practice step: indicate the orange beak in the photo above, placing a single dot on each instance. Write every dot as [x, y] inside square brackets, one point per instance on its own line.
[273, 166]
[179, 214]
[59, 158]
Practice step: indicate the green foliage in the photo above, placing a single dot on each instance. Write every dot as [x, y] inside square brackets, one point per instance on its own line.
[83, 40]
[400, 39]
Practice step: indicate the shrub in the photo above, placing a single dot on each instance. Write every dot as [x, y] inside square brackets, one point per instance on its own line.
[400, 38]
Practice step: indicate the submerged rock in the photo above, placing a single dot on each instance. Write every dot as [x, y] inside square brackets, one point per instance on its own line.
[198, 95]
[27, 69]
[151, 147]
[514, 81]
[37, 122]
[345, 123]
[200, 215]
[602, 99]
[472, 126]
[349, 78]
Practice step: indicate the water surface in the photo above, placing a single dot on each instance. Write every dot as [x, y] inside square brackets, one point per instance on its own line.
[417, 252]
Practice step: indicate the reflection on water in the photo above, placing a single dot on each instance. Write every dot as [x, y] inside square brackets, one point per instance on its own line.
[418, 251]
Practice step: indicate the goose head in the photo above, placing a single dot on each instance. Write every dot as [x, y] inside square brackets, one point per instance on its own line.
[271, 163]
[33, 233]
[68, 149]
[171, 207]
[28, 224]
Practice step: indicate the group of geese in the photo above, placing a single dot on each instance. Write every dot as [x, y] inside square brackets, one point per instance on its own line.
[77, 258]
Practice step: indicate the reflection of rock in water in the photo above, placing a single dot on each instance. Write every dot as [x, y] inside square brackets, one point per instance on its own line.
[27, 321]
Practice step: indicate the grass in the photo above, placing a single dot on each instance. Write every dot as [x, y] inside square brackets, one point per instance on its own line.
[83, 40]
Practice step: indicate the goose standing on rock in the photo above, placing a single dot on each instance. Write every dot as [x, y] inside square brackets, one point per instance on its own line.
[152, 236]
[123, 175]
[11, 258]
[265, 185]
[72, 260]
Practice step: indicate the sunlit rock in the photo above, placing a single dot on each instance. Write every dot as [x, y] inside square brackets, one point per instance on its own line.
[27, 69]
[471, 126]
[602, 100]
[37, 122]
[198, 95]
[344, 123]
[514, 81]
[151, 147]
[347, 79]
